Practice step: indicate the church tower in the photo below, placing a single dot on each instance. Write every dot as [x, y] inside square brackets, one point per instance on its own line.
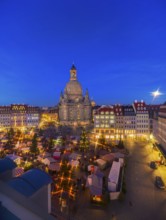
[74, 108]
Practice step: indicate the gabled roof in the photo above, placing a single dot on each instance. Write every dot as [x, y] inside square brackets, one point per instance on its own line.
[118, 110]
[105, 108]
[30, 182]
[6, 164]
[140, 107]
[128, 110]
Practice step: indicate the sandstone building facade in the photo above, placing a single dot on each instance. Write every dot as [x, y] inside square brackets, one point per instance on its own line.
[74, 108]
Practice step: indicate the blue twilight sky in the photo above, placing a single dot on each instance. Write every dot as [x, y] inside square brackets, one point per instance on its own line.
[118, 47]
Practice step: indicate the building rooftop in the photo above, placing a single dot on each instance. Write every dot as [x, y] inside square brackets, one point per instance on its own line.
[5, 214]
[30, 182]
[6, 164]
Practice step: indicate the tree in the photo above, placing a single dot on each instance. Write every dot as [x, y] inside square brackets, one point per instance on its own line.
[50, 144]
[10, 136]
[40, 132]
[65, 182]
[84, 142]
[33, 148]
[10, 133]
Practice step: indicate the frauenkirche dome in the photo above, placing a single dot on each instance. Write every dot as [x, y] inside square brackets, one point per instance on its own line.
[73, 88]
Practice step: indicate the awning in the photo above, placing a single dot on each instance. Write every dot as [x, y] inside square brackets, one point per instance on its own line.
[18, 171]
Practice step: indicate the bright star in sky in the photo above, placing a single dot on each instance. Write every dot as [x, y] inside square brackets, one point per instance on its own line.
[156, 93]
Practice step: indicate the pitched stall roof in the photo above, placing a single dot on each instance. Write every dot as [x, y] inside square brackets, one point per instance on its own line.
[6, 164]
[96, 186]
[30, 182]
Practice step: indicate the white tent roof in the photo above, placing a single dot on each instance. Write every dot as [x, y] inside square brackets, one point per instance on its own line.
[100, 162]
[50, 159]
[114, 172]
[74, 163]
[54, 167]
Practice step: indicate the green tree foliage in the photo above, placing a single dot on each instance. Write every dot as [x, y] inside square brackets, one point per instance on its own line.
[34, 149]
[84, 142]
[10, 133]
[10, 137]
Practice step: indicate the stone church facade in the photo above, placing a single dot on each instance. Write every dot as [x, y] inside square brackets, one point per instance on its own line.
[74, 108]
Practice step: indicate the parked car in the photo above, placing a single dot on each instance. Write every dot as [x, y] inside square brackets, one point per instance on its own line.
[159, 182]
[153, 165]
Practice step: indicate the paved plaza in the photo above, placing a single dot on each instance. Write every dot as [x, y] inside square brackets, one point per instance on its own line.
[143, 201]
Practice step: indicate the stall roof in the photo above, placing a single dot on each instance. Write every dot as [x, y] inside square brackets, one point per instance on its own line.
[30, 182]
[6, 164]
[114, 172]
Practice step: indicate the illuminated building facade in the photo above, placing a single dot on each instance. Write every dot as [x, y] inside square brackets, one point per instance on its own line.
[119, 122]
[161, 126]
[5, 116]
[153, 115]
[122, 121]
[18, 116]
[129, 121]
[142, 118]
[74, 108]
[104, 122]
[94, 111]
[49, 116]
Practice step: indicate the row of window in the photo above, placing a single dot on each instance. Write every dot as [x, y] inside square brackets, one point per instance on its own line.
[106, 113]
[125, 126]
[143, 121]
[103, 117]
[129, 126]
[104, 126]
[142, 126]
[141, 108]
[142, 116]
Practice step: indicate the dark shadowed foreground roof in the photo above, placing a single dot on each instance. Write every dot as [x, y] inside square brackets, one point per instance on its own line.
[30, 182]
[5, 214]
[6, 164]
